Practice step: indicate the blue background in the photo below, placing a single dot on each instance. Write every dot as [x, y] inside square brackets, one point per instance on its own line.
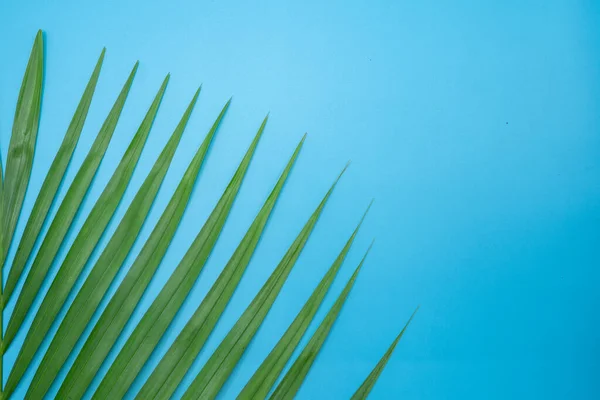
[474, 124]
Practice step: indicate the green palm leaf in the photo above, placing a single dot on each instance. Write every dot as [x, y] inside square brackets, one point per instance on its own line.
[265, 376]
[64, 216]
[49, 188]
[178, 359]
[122, 304]
[155, 321]
[106, 267]
[291, 382]
[217, 369]
[83, 245]
[22, 141]
[173, 366]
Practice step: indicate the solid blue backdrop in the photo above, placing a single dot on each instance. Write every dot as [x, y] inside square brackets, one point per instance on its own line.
[473, 124]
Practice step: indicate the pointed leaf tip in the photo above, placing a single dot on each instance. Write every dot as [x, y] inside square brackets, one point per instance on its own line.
[165, 81]
[362, 261]
[370, 247]
[363, 391]
[346, 167]
[413, 314]
[333, 185]
[195, 98]
[341, 173]
[364, 215]
[302, 140]
[262, 127]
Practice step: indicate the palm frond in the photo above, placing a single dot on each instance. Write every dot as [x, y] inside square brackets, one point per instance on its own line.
[173, 367]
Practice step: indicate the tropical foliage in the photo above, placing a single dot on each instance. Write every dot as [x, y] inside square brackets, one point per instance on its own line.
[168, 374]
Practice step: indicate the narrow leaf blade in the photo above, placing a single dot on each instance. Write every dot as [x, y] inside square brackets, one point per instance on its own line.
[49, 188]
[363, 391]
[22, 141]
